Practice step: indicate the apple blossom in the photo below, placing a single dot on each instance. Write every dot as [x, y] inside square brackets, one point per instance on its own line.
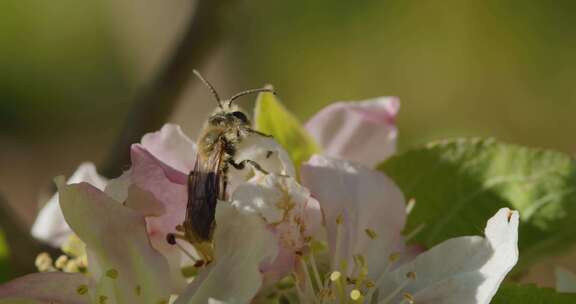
[364, 214]
[364, 132]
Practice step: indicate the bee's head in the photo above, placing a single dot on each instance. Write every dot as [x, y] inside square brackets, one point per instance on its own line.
[229, 117]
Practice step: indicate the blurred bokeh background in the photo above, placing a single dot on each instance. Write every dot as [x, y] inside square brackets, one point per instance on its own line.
[69, 71]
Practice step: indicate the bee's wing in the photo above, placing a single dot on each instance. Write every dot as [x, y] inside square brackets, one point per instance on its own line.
[204, 190]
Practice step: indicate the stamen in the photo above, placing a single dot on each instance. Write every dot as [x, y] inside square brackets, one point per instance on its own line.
[61, 261]
[82, 289]
[356, 296]
[308, 279]
[44, 262]
[299, 291]
[112, 273]
[408, 298]
[410, 276]
[71, 266]
[371, 233]
[338, 283]
[414, 232]
[102, 299]
[410, 206]
[392, 259]
[339, 222]
[315, 271]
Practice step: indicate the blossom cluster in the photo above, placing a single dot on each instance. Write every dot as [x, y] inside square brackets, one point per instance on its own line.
[329, 230]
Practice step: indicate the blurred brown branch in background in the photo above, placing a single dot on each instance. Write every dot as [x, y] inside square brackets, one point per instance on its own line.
[150, 110]
[23, 248]
[155, 104]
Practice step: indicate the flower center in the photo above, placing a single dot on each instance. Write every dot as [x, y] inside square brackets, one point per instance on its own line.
[344, 283]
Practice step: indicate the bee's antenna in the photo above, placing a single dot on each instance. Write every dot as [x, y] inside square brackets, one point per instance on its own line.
[247, 92]
[210, 87]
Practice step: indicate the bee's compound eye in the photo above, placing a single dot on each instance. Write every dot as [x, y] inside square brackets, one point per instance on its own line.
[241, 116]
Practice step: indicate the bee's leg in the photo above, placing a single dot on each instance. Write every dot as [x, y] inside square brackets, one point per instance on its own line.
[250, 130]
[241, 165]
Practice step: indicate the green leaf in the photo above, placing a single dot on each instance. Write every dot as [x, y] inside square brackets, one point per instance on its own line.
[4, 257]
[530, 294]
[459, 184]
[271, 117]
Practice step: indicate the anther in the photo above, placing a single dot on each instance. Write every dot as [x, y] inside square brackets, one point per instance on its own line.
[102, 299]
[356, 296]
[61, 261]
[335, 276]
[44, 262]
[112, 273]
[82, 289]
[371, 233]
[340, 219]
[411, 275]
[393, 257]
[410, 205]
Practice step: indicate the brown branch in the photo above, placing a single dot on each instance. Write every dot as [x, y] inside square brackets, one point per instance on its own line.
[154, 106]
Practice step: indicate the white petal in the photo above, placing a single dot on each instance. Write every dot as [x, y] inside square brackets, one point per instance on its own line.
[50, 225]
[171, 146]
[565, 280]
[116, 239]
[464, 269]
[366, 200]
[45, 287]
[363, 132]
[242, 243]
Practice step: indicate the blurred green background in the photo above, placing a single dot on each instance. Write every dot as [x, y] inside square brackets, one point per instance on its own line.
[69, 70]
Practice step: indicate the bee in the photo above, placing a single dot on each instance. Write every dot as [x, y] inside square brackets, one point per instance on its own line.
[225, 128]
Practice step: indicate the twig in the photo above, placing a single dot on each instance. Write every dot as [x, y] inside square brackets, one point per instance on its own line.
[153, 107]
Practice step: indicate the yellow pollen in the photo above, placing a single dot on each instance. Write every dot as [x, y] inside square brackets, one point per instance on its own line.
[102, 299]
[43, 262]
[71, 266]
[371, 233]
[356, 295]
[61, 261]
[112, 273]
[335, 276]
[82, 289]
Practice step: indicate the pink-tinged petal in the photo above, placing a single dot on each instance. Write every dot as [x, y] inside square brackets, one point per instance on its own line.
[364, 132]
[148, 176]
[117, 241]
[290, 213]
[370, 205]
[464, 269]
[167, 185]
[50, 225]
[242, 243]
[48, 287]
[171, 146]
